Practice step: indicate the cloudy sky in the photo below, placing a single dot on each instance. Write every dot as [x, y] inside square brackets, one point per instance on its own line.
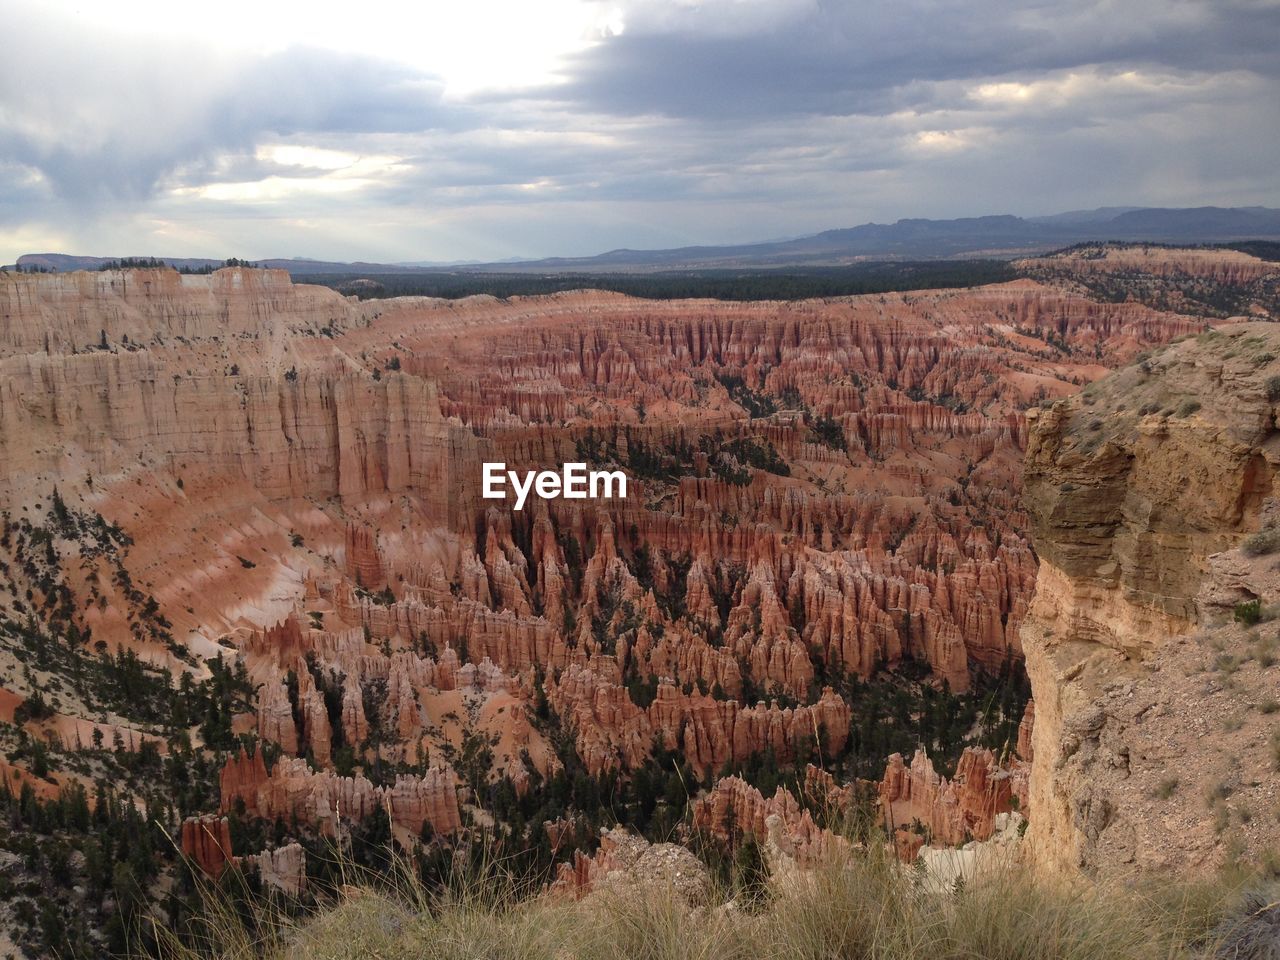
[485, 129]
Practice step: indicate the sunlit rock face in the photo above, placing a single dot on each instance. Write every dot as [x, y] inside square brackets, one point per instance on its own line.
[290, 479]
[1152, 689]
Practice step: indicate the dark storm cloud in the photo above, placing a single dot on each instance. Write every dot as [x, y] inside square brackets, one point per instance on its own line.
[878, 58]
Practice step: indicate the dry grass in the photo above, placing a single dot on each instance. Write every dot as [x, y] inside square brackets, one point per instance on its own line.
[1266, 540]
[865, 908]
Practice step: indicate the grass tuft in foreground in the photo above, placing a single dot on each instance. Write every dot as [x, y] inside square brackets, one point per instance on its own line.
[865, 907]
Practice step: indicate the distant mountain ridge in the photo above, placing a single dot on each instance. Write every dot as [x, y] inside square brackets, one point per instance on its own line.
[999, 235]
[991, 236]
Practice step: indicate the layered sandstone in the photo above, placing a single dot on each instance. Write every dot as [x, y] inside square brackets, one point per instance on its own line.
[1135, 490]
[710, 733]
[114, 310]
[282, 868]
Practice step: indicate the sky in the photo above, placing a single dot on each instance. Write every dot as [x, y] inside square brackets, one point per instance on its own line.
[490, 129]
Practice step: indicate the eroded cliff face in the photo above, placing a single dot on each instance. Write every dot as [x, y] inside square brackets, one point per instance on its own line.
[1138, 490]
[82, 312]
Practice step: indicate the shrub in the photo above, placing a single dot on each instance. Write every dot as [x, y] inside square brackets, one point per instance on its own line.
[1273, 388]
[1221, 820]
[1266, 540]
[1249, 613]
[1254, 928]
[1216, 793]
[1187, 407]
[1265, 652]
[827, 430]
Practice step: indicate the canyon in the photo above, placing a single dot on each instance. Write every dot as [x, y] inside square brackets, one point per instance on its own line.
[249, 575]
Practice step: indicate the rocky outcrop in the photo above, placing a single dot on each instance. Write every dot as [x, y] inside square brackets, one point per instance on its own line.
[948, 812]
[66, 313]
[364, 563]
[950, 869]
[240, 779]
[1134, 490]
[320, 432]
[275, 717]
[1220, 266]
[613, 732]
[626, 864]
[733, 810]
[325, 800]
[206, 842]
[1026, 728]
[282, 868]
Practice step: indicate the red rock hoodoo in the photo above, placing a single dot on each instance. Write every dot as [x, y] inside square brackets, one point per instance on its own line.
[276, 492]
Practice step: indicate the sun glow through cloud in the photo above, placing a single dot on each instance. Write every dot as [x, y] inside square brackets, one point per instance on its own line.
[298, 156]
[472, 46]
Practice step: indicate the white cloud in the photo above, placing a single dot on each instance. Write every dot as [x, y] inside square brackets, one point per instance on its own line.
[477, 45]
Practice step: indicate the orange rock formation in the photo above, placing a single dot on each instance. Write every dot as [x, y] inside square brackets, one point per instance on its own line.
[323, 799]
[207, 842]
[956, 810]
[817, 489]
[734, 809]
